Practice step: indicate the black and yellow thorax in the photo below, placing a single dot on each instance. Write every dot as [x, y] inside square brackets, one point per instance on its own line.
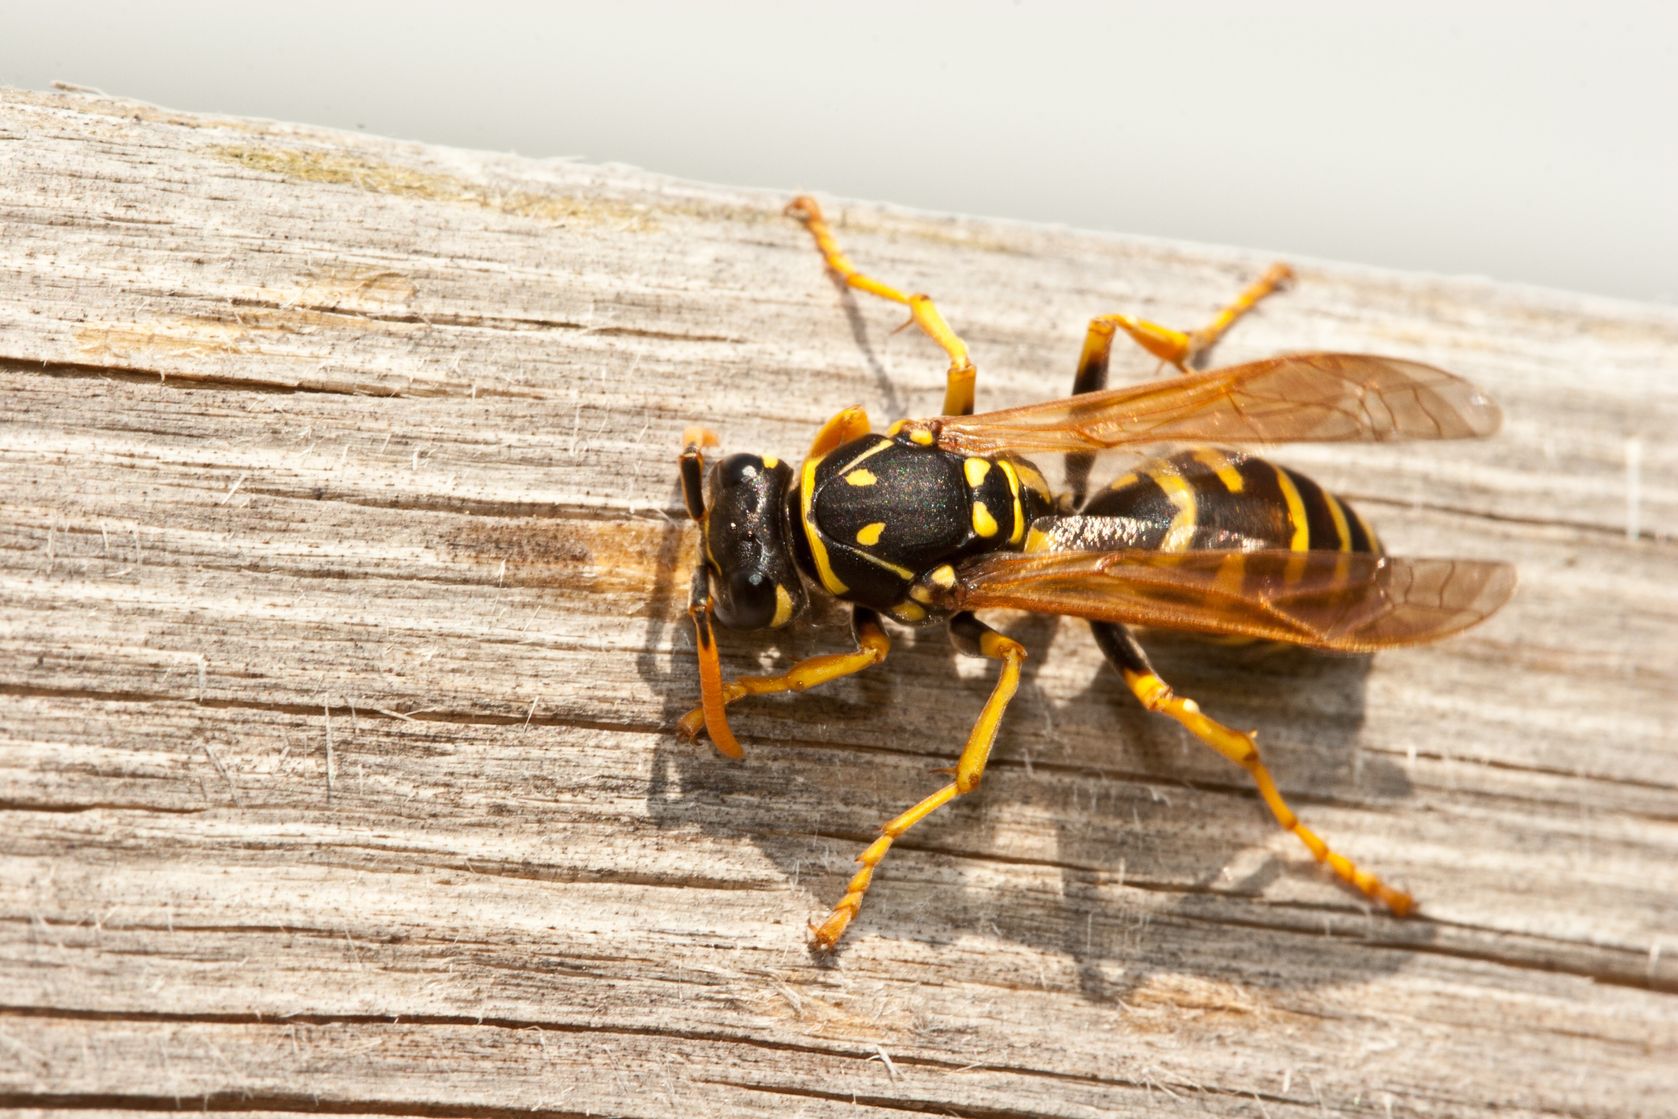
[874, 514]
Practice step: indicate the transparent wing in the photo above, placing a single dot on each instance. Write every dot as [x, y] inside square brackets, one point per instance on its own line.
[1316, 397]
[1349, 601]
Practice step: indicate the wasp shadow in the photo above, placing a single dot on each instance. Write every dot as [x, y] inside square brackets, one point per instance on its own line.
[1310, 709]
[865, 346]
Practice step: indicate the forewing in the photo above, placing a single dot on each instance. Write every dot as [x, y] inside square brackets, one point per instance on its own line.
[1349, 601]
[1315, 397]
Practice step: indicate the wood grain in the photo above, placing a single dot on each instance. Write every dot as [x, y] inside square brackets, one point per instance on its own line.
[343, 574]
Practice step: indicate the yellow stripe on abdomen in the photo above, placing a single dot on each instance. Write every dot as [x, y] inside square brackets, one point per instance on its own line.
[1337, 512]
[1180, 535]
[1300, 540]
[1218, 463]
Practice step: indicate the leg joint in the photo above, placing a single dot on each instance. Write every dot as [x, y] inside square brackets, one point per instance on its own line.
[1155, 694]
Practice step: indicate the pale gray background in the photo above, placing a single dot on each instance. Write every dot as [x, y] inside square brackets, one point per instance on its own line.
[1525, 141]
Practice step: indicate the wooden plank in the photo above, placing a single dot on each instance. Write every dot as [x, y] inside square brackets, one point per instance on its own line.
[343, 575]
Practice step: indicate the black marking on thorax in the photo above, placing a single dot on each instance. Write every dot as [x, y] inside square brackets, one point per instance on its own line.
[882, 511]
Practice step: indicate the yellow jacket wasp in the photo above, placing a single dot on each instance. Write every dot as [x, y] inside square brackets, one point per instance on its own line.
[936, 519]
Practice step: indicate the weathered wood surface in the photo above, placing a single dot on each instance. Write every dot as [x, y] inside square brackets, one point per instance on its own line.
[343, 574]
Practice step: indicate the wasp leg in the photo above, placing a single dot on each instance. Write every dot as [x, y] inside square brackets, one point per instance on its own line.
[976, 639]
[700, 607]
[1173, 346]
[958, 385]
[1156, 695]
[852, 423]
[712, 703]
[872, 646]
[692, 461]
[1179, 348]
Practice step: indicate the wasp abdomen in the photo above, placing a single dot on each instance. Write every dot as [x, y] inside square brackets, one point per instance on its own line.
[1211, 498]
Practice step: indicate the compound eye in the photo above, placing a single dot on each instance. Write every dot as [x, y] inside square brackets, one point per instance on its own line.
[737, 471]
[750, 601]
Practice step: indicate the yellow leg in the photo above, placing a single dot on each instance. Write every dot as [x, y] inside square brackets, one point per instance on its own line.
[694, 442]
[958, 386]
[1274, 279]
[841, 429]
[872, 646]
[1173, 346]
[973, 636]
[712, 693]
[1156, 695]
[1177, 347]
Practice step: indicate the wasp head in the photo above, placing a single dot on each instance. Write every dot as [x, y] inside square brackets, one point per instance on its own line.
[745, 576]
[746, 545]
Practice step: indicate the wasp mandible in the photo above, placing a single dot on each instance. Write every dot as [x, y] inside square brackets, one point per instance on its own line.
[934, 520]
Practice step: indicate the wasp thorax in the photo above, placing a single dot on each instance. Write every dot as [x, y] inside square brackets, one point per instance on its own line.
[746, 543]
